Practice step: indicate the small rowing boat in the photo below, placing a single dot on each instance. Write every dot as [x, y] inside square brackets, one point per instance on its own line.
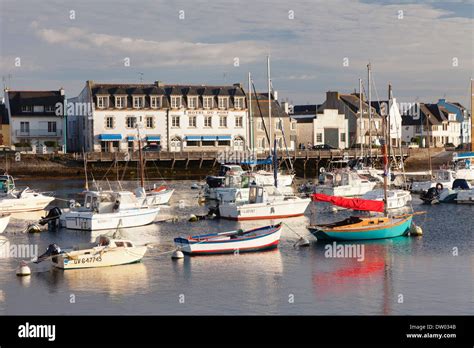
[258, 239]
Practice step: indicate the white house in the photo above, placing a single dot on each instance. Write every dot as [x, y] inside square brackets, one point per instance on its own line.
[36, 118]
[331, 128]
[170, 117]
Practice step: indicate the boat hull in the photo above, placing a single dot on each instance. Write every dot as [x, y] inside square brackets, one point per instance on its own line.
[88, 221]
[260, 211]
[4, 220]
[262, 242]
[395, 229]
[105, 258]
[346, 190]
[157, 198]
[19, 205]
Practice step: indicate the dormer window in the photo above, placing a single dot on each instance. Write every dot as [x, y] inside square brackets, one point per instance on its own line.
[238, 102]
[49, 108]
[138, 102]
[208, 102]
[175, 102]
[155, 102]
[120, 102]
[102, 102]
[192, 102]
[26, 108]
[223, 102]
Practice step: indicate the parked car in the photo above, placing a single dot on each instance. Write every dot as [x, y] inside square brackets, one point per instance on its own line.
[449, 147]
[323, 147]
[151, 148]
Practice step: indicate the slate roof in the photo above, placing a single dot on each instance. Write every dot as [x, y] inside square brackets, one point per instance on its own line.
[17, 99]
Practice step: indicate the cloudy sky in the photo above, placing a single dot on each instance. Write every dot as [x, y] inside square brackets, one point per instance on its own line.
[424, 48]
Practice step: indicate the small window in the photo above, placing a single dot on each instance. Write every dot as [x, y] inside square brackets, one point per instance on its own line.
[109, 122]
[175, 121]
[175, 102]
[192, 143]
[208, 102]
[102, 102]
[208, 143]
[51, 127]
[192, 102]
[192, 121]
[155, 102]
[49, 108]
[119, 244]
[343, 137]
[223, 102]
[138, 102]
[223, 143]
[239, 123]
[222, 121]
[131, 122]
[238, 102]
[208, 121]
[26, 108]
[149, 122]
[319, 137]
[129, 245]
[120, 102]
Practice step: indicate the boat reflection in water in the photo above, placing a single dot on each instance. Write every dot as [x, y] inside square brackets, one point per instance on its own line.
[116, 280]
[336, 278]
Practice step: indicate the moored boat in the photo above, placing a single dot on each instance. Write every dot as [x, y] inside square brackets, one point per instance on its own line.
[14, 200]
[258, 239]
[4, 220]
[105, 252]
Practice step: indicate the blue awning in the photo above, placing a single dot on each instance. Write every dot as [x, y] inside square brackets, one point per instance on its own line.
[131, 138]
[209, 137]
[110, 137]
[193, 137]
[224, 137]
[153, 138]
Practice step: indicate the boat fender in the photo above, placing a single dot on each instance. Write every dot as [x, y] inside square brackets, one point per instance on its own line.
[415, 230]
[33, 228]
[193, 218]
[177, 254]
[23, 269]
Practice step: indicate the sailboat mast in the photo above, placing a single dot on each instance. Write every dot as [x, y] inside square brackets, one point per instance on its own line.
[361, 119]
[249, 106]
[140, 153]
[85, 170]
[385, 165]
[370, 112]
[269, 103]
[389, 128]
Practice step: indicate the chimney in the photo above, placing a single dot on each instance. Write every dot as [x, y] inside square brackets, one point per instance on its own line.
[275, 95]
[159, 84]
[61, 91]
[238, 85]
[285, 107]
[332, 100]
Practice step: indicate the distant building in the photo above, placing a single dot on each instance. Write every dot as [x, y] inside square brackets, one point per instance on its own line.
[282, 127]
[384, 108]
[172, 117]
[462, 116]
[434, 125]
[318, 128]
[36, 118]
[358, 120]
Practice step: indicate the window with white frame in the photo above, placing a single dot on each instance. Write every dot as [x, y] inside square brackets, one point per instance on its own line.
[52, 127]
[131, 121]
[208, 121]
[239, 121]
[260, 125]
[38, 108]
[149, 122]
[155, 102]
[109, 122]
[238, 102]
[175, 102]
[192, 121]
[293, 125]
[120, 102]
[102, 102]
[278, 125]
[192, 102]
[26, 108]
[208, 102]
[222, 121]
[24, 127]
[49, 108]
[319, 137]
[175, 121]
[223, 102]
[343, 137]
[138, 102]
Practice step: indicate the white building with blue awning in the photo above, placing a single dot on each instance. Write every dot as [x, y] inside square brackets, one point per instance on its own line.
[170, 117]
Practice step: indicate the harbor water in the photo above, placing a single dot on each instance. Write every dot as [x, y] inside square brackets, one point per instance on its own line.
[432, 274]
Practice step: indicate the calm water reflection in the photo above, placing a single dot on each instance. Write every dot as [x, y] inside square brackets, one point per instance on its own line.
[289, 280]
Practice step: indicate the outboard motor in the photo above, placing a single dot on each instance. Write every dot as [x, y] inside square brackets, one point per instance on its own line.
[52, 219]
[53, 249]
[431, 196]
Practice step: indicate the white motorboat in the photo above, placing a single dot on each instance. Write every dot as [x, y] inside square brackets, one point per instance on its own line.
[261, 205]
[465, 197]
[14, 200]
[344, 184]
[105, 252]
[396, 199]
[443, 178]
[4, 220]
[158, 196]
[103, 210]
[266, 178]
